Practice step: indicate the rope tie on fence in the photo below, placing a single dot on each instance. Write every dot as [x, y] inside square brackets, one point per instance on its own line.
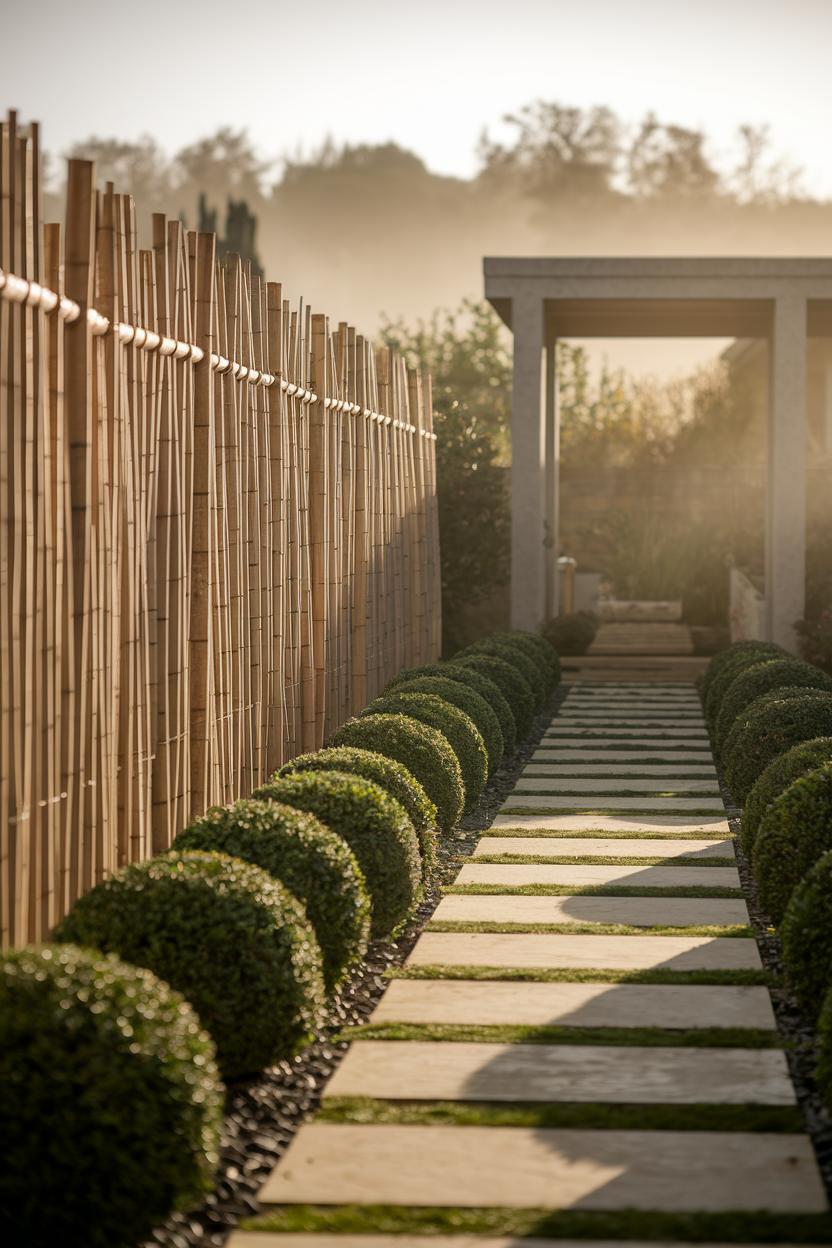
[15, 289]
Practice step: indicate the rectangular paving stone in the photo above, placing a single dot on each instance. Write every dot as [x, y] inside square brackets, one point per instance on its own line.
[542, 950]
[515, 1167]
[665, 771]
[615, 784]
[597, 847]
[708, 825]
[589, 874]
[614, 1074]
[583, 753]
[648, 726]
[634, 911]
[646, 805]
[493, 1003]
[603, 740]
[643, 715]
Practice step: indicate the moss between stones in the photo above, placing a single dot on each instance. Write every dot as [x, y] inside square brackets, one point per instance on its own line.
[650, 1037]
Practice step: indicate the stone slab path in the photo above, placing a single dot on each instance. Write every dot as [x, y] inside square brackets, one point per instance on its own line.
[623, 773]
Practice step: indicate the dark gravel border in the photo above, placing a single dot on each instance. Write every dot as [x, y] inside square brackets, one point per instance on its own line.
[263, 1116]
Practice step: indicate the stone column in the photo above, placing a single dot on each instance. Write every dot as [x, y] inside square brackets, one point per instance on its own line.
[528, 459]
[552, 483]
[786, 497]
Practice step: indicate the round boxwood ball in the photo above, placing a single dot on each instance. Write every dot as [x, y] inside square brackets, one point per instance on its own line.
[769, 727]
[314, 863]
[514, 655]
[764, 677]
[806, 936]
[726, 656]
[392, 776]
[735, 661]
[421, 749]
[483, 685]
[796, 830]
[231, 939]
[466, 700]
[512, 684]
[539, 649]
[776, 778]
[112, 1106]
[461, 732]
[823, 1074]
[376, 828]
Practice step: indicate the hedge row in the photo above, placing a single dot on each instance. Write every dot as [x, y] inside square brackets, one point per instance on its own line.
[216, 958]
[771, 722]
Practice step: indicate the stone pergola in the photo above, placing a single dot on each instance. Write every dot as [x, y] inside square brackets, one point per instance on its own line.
[543, 299]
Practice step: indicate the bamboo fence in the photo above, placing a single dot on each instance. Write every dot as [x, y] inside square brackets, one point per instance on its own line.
[218, 533]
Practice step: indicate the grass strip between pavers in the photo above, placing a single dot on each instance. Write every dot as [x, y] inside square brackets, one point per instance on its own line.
[582, 975]
[488, 927]
[662, 834]
[586, 1116]
[592, 890]
[597, 860]
[649, 1225]
[508, 1033]
[651, 796]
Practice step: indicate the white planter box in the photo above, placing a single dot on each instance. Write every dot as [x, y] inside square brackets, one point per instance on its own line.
[747, 611]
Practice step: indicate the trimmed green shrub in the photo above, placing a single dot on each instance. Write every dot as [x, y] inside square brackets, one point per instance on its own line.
[483, 685]
[514, 687]
[539, 650]
[314, 863]
[769, 727]
[112, 1106]
[796, 830]
[571, 634]
[806, 936]
[776, 778]
[466, 700]
[736, 662]
[726, 656]
[392, 776]
[823, 1074]
[422, 750]
[376, 828]
[764, 677]
[231, 939]
[511, 653]
[461, 732]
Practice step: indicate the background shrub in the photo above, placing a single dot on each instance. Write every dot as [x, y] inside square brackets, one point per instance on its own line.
[231, 939]
[314, 863]
[512, 654]
[376, 828]
[483, 685]
[392, 776]
[424, 751]
[736, 661]
[111, 1107]
[538, 649]
[460, 730]
[514, 687]
[796, 830]
[776, 778]
[769, 727]
[806, 936]
[464, 699]
[764, 677]
[571, 634]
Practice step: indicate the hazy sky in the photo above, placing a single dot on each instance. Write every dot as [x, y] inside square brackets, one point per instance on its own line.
[428, 74]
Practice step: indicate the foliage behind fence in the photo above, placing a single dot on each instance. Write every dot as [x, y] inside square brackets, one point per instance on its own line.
[218, 532]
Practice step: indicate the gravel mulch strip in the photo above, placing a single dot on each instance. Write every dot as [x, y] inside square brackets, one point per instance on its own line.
[263, 1116]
